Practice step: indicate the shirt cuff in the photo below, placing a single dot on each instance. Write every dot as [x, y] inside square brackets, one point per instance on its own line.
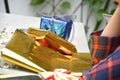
[102, 46]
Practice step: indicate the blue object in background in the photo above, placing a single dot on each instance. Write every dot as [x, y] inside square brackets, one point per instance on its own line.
[59, 25]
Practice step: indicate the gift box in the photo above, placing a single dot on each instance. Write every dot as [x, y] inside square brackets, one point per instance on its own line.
[25, 50]
[59, 25]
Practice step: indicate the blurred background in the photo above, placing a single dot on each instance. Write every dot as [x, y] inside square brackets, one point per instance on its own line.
[88, 12]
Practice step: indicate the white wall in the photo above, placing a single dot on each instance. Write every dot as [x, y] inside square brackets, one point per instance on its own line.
[2, 6]
[23, 7]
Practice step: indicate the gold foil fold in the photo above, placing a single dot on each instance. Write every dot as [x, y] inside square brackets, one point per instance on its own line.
[23, 45]
[29, 53]
[54, 41]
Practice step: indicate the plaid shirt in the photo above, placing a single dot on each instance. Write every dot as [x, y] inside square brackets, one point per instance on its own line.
[102, 46]
[106, 56]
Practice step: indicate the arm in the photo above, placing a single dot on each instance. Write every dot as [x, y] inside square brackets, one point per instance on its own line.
[113, 27]
[105, 42]
[109, 67]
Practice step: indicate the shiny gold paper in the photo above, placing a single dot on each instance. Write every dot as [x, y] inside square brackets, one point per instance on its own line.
[25, 51]
[25, 47]
[58, 43]
[80, 62]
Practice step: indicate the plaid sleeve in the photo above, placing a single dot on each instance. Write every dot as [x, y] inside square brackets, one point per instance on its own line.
[102, 46]
[107, 69]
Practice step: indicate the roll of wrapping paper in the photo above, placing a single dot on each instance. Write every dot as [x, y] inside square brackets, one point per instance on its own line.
[49, 39]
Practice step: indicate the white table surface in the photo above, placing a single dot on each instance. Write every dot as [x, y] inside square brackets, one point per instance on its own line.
[11, 22]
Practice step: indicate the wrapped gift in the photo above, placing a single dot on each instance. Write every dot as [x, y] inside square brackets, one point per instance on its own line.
[59, 25]
[25, 50]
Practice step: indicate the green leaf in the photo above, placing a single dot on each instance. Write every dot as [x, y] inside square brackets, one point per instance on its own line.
[96, 5]
[65, 5]
[97, 25]
[112, 12]
[36, 2]
[88, 1]
[99, 15]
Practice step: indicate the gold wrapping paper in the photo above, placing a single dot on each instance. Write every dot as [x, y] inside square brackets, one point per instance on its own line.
[23, 45]
[24, 50]
[55, 41]
[80, 62]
